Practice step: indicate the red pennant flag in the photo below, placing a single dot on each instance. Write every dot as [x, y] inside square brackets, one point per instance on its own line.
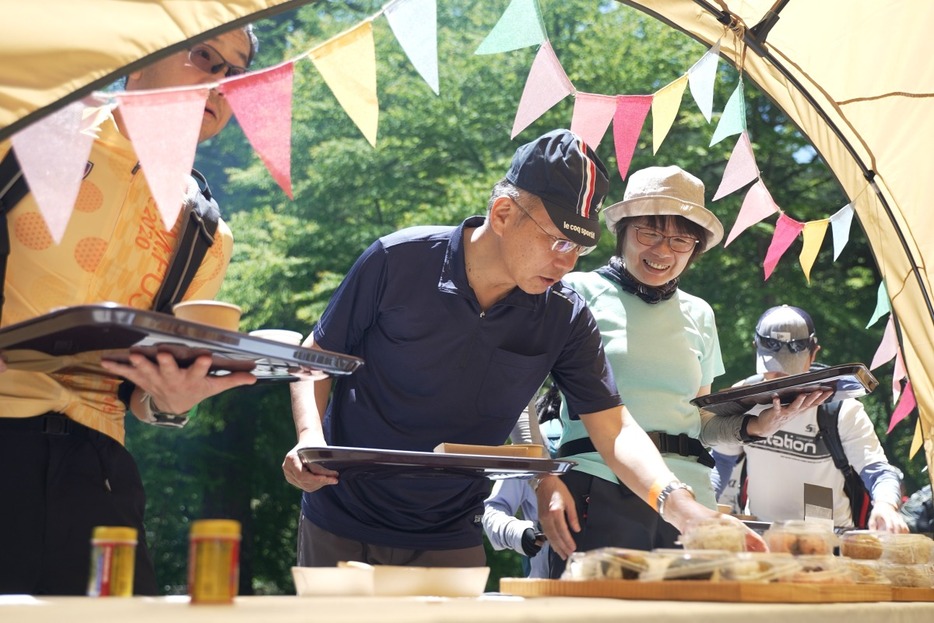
[546, 85]
[262, 102]
[631, 111]
[904, 407]
[164, 127]
[786, 230]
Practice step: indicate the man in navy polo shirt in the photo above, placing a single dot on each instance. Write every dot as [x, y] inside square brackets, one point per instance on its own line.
[459, 326]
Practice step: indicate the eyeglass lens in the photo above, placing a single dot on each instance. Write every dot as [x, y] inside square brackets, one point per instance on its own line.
[558, 245]
[210, 61]
[678, 244]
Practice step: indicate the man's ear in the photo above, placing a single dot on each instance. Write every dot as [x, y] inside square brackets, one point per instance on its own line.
[500, 214]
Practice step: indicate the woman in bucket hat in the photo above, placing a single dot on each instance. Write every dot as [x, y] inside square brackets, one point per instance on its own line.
[663, 346]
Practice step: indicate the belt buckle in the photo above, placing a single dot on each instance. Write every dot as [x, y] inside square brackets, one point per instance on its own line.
[684, 444]
[54, 424]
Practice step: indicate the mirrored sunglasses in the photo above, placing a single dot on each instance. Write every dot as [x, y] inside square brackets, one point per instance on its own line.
[210, 61]
[772, 345]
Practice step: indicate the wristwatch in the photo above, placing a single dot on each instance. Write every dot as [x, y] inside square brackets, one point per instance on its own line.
[162, 418]
[672, 486]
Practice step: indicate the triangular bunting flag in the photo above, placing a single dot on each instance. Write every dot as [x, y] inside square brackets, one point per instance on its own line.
[520, 26]
[814, 232]
[53, 155]
[898, 374]
[546, 85]
[592, 115]
[786, 230]
[757, 205]
[164, 128]
[882, 304]
[665, 105]
[905, 406]
[741, 168]
[888, 347]
[347, 63]
[917, 441]
[415, 25]
[631, 111]
[262, 102]
[701, 78]
[733, 119]
[840, 226]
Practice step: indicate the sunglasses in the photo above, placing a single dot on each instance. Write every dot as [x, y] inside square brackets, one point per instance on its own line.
[772, 345]
[558, 245]
[210, 61]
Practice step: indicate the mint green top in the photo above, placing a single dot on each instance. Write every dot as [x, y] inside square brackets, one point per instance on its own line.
[661, 356]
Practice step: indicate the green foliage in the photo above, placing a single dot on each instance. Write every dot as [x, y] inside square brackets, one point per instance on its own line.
[435, 161]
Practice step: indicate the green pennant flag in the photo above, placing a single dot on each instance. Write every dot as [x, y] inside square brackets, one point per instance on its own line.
[733, 119]
[520, 26]
[882, 305]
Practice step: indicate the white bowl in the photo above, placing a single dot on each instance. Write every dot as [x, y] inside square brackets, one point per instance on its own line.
[430, 581]
[279, 335]
[335, 581]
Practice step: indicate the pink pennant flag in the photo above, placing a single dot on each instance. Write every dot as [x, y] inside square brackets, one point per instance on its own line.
[592, 115]
[262, 102]
[757, 205]
[53, 155]
[786, 230]
[898, 374]
[164, 127]
[888, 347]
[905, 406]
[631, 111]
[740, 170]
[546, 85]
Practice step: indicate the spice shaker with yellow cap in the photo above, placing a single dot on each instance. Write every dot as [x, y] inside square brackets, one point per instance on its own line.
[213, 561]
[113, 557]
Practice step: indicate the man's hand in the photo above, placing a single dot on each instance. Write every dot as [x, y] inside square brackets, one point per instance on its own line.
[306, 477]
[175, 389]
[775, 417]
[557, 514]
[886, 518]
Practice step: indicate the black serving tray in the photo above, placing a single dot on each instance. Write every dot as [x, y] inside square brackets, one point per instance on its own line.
[380, 463]
[850, 380]
[86, 334]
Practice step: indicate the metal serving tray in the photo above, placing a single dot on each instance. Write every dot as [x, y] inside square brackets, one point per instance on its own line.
[380, 463]
[84, 335]
[850, 380]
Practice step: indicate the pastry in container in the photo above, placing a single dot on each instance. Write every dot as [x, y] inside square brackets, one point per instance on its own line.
[823, 569]
[861, 544]
[800, 538]
[907, 549]
[865, 571]
[720, 533]
[759, 567]
[607, 563]
[914, 576]
[686, 564]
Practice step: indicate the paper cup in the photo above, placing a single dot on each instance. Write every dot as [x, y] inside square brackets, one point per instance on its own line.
[279, 335]
[214, 313]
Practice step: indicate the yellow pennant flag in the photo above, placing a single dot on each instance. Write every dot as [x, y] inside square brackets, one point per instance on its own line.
[665, 105]
[917, 441]
[813, 237]
[347, 63]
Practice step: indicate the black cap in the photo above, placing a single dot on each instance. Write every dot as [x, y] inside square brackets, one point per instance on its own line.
[569, 178]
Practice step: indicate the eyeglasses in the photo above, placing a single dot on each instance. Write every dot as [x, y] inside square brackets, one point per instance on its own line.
[650, 237]
[558, 245]
[210, 61]
[772, 345]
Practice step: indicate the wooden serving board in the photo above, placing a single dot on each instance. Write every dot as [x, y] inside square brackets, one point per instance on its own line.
[699, 590]
[904, 593]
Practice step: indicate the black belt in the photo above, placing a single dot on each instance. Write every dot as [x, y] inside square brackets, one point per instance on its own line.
[47, 424]
[672, 444]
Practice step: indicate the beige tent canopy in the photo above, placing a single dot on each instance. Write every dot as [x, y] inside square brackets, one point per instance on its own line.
[857, 80]
[854, 76]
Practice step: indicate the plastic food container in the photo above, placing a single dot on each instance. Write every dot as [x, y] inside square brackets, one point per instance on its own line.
[916, 576]
[759, 567]
[720, 534]
[861, 544]
[865, 571]
[608, 563]
[800, 538]
[907, 549]
[113, 560]
[685, 564]
[214, 561]
[820, 570]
